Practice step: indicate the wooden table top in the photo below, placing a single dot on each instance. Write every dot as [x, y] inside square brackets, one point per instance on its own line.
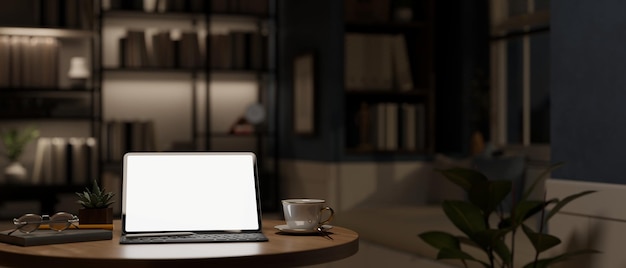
[281, 250]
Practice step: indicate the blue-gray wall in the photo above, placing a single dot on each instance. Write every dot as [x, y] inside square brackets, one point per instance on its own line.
[314, 26]
[317, 25]
[588, 59]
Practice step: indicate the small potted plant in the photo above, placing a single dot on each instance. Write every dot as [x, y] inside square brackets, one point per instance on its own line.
[95, 205]
[14, 142]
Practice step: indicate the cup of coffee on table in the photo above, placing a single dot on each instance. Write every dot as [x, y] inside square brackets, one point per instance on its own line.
[306, 214]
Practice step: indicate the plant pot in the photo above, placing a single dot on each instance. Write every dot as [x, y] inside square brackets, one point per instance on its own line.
[15, 173]
[95, 215]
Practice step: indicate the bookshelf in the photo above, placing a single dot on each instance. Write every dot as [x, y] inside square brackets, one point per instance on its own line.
[38, 42]
[183, 75]
[389, 77]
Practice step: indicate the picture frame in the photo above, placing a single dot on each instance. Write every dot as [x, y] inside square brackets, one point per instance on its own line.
[304, 92]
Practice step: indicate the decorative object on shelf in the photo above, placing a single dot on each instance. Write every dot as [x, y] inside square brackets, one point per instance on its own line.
[242, 127]
[78, 73]
[14, 142]
[255, 113]
[474, 218]
[402, 10]
[304, 94]
[95, 205]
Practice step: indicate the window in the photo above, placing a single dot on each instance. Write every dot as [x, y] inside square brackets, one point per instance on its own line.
[520, 73]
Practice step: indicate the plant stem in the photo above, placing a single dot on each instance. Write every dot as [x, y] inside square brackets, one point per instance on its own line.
[512, 247]
[541, 226]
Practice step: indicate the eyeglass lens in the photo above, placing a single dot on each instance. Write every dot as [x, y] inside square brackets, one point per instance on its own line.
[28, 223]
[60, 221]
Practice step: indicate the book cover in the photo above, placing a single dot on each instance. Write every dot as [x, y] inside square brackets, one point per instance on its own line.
[78, 160]
[391, 122]
[354, 60]
[5, 62]
[59, 160]
[47, 237]
[402, 75]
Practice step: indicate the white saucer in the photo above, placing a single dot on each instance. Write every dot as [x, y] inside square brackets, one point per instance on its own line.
[285, 228]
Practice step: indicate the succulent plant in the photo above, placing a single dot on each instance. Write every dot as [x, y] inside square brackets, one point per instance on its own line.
[96, 197]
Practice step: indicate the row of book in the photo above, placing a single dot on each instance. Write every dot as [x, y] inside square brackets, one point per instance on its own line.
[377, 62]
[157, 5]
[74, 14]
[65, 161]
[240, 6]
[164, 53]
[29, 61]
[388, 126]
[377, 11]
[370, 11]
[127, 136]
[238, 50]
[192, 6]
[233, 50]
[15, 105]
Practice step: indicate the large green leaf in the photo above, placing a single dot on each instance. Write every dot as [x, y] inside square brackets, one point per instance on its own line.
[487, 195]
[469, 242]
[544, 263]
[525, 209]
[463, 177]
[465, 216]
[503, 252]
[493, 239]
[541, 242]
[564, 202]
[440, 240]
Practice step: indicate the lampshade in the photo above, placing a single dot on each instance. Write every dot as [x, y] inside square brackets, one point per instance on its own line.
[78, 68]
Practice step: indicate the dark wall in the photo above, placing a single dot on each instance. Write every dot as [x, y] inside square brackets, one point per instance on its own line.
[314, 26]
[19, 13]
[588, 56]
[462, 68]
[461, 55]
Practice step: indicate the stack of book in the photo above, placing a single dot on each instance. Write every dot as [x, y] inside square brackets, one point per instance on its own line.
[29, 61]
[47, 237]
[388, 126]
[159, 6]
[61, 161]
[127, 136]
[377, 62]
[133, 50]
[164, 52]
[76, 14]
[189, 56]
[259, 7]
[238, 51]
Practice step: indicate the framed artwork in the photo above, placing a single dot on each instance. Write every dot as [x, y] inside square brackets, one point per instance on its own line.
[304, 94]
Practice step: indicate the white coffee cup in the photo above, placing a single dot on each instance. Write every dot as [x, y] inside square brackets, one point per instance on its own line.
[306, 214]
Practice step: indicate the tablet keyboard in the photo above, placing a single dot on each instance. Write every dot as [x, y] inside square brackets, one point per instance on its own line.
[195, 238]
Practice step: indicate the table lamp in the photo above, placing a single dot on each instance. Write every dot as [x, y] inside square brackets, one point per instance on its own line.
[78, 73]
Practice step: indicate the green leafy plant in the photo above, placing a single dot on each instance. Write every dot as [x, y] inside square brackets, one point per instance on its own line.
[15, 141]
[485, 200]
[96, 197]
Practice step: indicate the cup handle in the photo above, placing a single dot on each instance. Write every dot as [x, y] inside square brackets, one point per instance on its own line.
[330, 217]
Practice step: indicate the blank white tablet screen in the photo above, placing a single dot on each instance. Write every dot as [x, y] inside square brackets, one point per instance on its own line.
[189, 192]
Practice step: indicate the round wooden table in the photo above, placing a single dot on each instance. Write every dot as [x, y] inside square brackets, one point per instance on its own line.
[281, 250]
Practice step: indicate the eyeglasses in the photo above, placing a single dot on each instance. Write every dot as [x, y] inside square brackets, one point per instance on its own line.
[29, 223]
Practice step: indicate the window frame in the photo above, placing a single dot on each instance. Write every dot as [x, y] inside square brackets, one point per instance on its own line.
[502, 28]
